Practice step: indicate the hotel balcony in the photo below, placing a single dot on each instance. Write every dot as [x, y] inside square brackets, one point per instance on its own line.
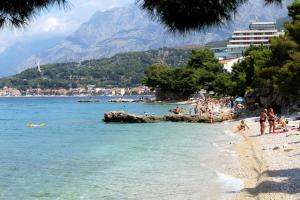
[255, 31]
[250, 41]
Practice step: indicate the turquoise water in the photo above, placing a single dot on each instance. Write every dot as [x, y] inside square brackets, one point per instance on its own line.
[77, 156]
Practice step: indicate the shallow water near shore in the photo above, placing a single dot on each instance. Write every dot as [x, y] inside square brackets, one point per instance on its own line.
[77, 156]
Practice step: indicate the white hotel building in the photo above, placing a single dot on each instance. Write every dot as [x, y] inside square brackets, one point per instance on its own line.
[259, 33]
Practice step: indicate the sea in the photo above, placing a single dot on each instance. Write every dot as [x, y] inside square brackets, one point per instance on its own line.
[78, 156]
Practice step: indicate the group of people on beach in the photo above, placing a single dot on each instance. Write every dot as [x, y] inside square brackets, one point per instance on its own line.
[209, 107]
[212, 103]
[270, 116]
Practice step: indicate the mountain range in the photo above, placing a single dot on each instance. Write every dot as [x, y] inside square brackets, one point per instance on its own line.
[124, 29]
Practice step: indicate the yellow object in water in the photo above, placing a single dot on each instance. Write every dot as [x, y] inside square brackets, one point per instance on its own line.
[36, 125]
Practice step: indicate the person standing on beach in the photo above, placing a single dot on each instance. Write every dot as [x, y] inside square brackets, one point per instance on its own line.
[231, 102]
[271, 119]
[262, 121]
[210, 116]
[196, 108]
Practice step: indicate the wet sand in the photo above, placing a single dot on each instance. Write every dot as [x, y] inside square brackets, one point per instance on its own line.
[270, 164]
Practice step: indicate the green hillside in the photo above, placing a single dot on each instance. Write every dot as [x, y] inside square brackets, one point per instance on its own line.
[121, 70]
[216, 44]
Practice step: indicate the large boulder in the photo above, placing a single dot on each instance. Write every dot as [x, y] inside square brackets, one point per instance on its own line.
[129, 118]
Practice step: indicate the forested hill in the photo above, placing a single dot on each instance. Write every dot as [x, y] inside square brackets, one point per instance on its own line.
[121, 70]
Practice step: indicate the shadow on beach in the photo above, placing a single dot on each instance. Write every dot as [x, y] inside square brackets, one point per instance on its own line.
[288, 181]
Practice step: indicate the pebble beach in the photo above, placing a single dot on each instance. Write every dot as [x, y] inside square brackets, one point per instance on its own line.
[270, 164]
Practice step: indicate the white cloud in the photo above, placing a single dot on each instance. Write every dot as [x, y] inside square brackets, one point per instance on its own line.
[57, 22]
[53, 24]
[2, 49]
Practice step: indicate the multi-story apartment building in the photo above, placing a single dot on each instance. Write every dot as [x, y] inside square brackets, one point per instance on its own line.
[259, 33]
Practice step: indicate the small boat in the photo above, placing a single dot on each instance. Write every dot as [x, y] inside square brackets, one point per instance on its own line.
[120, 100]
[88, 101]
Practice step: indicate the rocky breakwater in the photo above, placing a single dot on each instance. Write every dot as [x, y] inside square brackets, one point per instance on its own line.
[124, 117]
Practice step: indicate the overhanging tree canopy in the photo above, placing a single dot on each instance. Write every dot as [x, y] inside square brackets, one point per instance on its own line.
[188, 15]
[19, 12]
[176, 15]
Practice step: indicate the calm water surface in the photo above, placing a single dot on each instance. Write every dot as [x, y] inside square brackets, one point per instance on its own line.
[77, 156]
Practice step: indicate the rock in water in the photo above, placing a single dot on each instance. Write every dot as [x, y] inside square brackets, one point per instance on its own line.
[129, 118]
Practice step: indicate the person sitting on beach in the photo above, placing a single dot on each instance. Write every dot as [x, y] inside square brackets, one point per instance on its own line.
[177, 110]
[281, 123]
[242, 126]
[262, 121]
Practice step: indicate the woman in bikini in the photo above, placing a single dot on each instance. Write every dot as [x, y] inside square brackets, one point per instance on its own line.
[271, 119]
[262, 120]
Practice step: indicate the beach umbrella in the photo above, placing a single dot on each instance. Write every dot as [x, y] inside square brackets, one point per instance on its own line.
[239, 99]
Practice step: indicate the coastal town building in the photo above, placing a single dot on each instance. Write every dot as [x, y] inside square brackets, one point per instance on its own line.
[228, 63]
[6, 91]
[118, 91]
[90, 90]
[140, 90]
[259, 33]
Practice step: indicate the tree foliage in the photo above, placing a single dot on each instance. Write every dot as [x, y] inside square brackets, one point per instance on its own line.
[202, 72]
[121, 70]
[19, 12]
[187, 15]
[276, 67]
[176, 15]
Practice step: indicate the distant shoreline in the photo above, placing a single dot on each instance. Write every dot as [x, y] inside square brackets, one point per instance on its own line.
[87, 96]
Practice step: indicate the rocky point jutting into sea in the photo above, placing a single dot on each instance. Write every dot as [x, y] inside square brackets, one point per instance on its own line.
[124, 117]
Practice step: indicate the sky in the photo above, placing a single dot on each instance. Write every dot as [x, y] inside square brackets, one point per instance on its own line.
[57, 21]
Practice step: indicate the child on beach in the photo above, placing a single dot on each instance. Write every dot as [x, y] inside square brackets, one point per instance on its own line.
[242, 126]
